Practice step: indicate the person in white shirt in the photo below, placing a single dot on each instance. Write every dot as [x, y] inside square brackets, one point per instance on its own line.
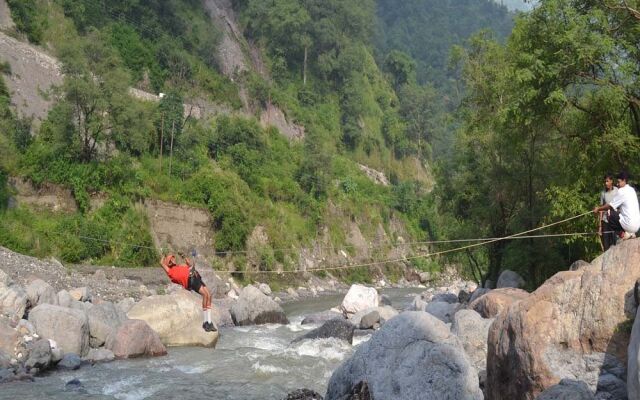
[626, 220]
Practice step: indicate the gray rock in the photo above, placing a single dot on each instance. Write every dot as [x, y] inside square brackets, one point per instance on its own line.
[386, 313]
[9, 337]
[489, 284]
[336, 328]
[369, 320]
[567, 389]
[126, 304]
[135, 338]
[441, 310]
[81, 294]
[100, 355]
[64, 299]
[445, 298]
[303, 394]
[5, 360]
[253, 307]
[472, 330]
[510, 279]
[384, 300]
[611, 387]
[633, 360]
[418, 304]
[264, 288]
[477, 293]
[13, 298]
[39, 355]
[425, 277]
[579, 264]
[74, 385]
[68, 327]
[413, 356]
[104, 319]
[6, 375]
[40, 292]
[463, 296]
[56, 354]
[70, 361]
[319, 317]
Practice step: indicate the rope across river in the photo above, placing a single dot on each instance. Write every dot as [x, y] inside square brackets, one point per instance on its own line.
[478, 243]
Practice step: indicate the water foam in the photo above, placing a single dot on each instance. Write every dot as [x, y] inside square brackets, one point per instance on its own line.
[330, 349]
[267, 369]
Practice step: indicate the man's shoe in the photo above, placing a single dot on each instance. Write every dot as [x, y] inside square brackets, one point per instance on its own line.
[209, 327]
[627, 235]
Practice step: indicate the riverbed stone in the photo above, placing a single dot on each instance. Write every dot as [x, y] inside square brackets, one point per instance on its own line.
[64, 298]
[510, 279]
[450, 298]
[321, 317]
[575, 325]
[81, 294]
[338, 328]
[444, 311]
[9, 336]
[13, 298]
[359, 298]
[68, 327]
[39, 355]
[496, 301]
[472, 330]
[70, 361]
[40, 292]
[254, 308]
[135, 338]
[264, 288]
[104, 319]
[177, 318]
[303, 394]
[369, 320]
[99, 355]
[413, 356]
[384, 300]
[567, 389]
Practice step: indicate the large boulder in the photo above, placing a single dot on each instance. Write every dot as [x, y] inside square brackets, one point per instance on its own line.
[253, 308]
[413, 356]
[633, 363]
[338, 328]
[64, 299]
[69, 328]
[13, 298]
[510, 279]
[567, 389]
[442, 310]
[575, 325]
[177, 318]
[359, 298]
[104, 319]
[495, 301]
[40, 292]
[81, 294]
[472, 330]
[135, 338]
[99, 355]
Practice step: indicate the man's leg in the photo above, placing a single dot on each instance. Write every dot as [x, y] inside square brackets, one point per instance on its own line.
[206, 307]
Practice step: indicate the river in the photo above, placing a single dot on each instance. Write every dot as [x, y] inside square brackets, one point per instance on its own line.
[255, 362]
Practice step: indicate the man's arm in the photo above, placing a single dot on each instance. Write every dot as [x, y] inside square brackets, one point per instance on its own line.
[602, 208]
[164, 264]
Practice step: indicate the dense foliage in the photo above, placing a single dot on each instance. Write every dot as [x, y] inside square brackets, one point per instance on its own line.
[546, 116]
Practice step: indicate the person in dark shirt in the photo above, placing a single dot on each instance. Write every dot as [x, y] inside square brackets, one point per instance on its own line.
[186, 276]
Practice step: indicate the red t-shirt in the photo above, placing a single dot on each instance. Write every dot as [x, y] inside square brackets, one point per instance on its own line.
[179, 274]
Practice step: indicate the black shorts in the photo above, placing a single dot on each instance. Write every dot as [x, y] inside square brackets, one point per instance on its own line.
[195, 282]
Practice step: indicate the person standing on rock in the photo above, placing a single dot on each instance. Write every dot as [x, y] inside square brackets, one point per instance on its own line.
[607, 237]
[624, 213]
[190, 279]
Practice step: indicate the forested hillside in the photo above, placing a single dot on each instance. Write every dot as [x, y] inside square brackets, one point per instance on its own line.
[545, 111]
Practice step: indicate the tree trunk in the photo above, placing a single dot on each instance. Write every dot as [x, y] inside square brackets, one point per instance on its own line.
[304, 68]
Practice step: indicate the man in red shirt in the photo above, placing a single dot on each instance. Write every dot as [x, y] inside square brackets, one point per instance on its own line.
[190, 279]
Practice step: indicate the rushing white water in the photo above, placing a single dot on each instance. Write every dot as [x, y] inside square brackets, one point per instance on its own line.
[255, 362]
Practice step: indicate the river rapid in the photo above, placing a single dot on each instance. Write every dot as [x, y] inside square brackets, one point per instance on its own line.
[254, 362]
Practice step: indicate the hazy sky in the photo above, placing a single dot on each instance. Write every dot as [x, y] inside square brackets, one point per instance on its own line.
[516, 4]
